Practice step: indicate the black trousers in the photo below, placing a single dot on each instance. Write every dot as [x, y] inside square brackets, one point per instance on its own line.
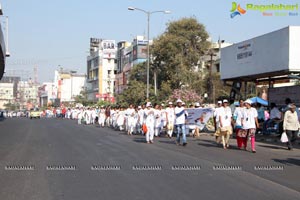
[292, 136]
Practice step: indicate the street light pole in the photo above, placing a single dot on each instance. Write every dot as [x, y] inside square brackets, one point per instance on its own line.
[211, 86]
[148, 13]
[148, 53]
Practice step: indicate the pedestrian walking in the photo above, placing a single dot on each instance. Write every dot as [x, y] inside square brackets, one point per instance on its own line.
[237, 116]
[216, 121]
[141, 120]
[249, 125]
[291, 125]
[130, 113]
[225, 117]
[180, 120]
[150, 122]
[170, 113]
[157, 124]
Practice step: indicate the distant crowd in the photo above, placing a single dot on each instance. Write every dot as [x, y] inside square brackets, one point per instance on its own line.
[244, 118]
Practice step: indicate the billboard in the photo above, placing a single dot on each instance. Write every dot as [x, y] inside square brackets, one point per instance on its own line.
[109, 49]
[272, 53]
[108, 44]
[140, 52]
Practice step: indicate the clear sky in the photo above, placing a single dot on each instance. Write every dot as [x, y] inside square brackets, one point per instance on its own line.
[52, 33]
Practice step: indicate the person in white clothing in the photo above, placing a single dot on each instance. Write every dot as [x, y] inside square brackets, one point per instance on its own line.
[291, 125]
[237, 116]
[170, 112]
[149, 120]
[130, 113]
[140, 119]
[181, 116]
[79, 116]
[225, 116]
[249, 124]
[102, 116]
[199, 122]
[163, 118]
[157, 126]
[216, 121]
[121, 119]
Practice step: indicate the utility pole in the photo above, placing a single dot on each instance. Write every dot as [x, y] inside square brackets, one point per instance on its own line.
[211, 86]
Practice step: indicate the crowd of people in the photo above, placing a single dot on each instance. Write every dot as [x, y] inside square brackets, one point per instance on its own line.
[149, 120]
[244, 119]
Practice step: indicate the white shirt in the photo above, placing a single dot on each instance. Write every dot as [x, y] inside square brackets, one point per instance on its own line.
[170, 114]
[248, 118]
[238, 115]
[149, 117]
[157, 114]
[180, 119]
[225, 116]
[130, 112]
[216, 113]
[291, 121]
[163, 114]
[141, 113]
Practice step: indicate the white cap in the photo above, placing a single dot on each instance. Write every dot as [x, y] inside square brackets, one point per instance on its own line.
[248, 101]
[197, 104]
[139, 107]
[219, 102]
[170, 103]
[225, 101]
[162, 104]
[148, 104]
[179, 101]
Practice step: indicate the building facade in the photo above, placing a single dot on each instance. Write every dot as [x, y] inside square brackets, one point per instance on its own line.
[47, 94]
[27, 95]
[101, 69]
[129, 55]
[67, 85]
[6, 94]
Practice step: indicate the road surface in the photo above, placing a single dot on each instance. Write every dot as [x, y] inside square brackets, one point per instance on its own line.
[55, 159]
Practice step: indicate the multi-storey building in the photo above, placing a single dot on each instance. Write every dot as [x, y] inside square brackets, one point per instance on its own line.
[47, 94]
[129, 54]
[101, 68]
[6, 94]
[27, 94]
[69, 84]
[8, 90]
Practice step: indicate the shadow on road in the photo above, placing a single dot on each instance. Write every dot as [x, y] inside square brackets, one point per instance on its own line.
[139, 140]
[273, 147]
[288, 161]
[167, 142]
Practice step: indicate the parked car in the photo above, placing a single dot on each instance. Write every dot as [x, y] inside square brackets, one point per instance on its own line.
[35, 113]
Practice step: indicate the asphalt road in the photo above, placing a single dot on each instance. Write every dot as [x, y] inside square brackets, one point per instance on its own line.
[54, 159]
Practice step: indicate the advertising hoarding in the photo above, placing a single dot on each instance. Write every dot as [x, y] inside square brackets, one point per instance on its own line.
[272, 53]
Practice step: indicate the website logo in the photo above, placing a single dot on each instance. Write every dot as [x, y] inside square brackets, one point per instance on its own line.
[236, 10]
[269, 9]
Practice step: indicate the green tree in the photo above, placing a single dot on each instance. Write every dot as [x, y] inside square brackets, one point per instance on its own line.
[134, 94]
[82, 98]
[176, 54]
[12, 106]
